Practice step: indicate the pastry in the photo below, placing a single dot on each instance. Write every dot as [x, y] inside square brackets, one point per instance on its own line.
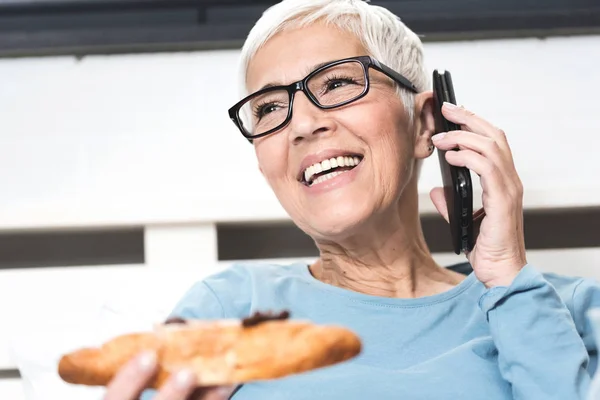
[219, 352]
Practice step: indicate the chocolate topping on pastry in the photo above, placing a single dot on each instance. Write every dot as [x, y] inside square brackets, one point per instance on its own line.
[175, 320]
[259, 317]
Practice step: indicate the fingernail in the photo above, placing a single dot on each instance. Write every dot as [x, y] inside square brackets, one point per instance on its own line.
[438, 136]
[185, 378]
[450, 106]
[147, 360]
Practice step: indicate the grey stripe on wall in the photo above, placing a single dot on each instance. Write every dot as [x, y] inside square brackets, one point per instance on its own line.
[71, 248]
[544, 229]
[9, 374]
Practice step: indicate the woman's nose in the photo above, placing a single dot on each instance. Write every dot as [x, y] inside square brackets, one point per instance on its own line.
[307, 120]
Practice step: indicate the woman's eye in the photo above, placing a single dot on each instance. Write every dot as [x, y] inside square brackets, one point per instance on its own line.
[263, 110]
[268, 109]
[334, 85]
[338, 83]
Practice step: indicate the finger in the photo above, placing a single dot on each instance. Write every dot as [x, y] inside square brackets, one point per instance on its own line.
[179, 386]
[474, 123]
[492, 181]
[464, 140]
[439, 201]
[478, 215]
[132, 379]
[212, 393]
[471, 121]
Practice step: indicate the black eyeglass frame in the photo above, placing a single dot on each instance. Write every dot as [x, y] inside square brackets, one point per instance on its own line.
[302, 85]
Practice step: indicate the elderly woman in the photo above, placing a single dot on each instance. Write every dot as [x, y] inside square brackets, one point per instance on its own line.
[339, 110]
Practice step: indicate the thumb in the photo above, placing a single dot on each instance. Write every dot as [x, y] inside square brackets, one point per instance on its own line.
[439, 201]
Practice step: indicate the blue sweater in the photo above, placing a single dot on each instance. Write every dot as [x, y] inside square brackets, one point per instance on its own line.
[530, 340]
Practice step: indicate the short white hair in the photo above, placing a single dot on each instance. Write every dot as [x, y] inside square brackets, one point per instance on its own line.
[383, 34]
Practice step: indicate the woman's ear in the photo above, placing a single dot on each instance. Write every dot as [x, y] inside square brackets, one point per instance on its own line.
[424, 124]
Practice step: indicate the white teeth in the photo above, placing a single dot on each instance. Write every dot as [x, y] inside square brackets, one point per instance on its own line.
[328, 176]
[307, 173]
[326, 165]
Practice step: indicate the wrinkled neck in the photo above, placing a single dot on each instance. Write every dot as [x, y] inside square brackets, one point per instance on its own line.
[388, 258]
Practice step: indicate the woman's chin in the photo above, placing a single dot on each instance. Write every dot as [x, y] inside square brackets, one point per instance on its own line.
[337, 222]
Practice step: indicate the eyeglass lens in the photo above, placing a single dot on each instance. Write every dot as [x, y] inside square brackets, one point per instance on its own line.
[330, 87]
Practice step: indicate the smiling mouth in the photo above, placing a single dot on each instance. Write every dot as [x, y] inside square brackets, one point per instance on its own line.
[330, 168]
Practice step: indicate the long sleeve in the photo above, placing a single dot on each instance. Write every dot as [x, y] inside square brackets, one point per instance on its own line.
[586, 297]
[540, 351]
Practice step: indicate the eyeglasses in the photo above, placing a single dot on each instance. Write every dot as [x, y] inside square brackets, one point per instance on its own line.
[333, 85]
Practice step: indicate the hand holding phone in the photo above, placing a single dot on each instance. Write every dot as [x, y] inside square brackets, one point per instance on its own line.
[458, 188]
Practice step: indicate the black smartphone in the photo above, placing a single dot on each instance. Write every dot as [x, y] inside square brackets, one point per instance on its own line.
[458, 188]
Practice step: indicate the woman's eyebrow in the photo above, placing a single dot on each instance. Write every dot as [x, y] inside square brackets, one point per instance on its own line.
[268, 85]
[306, 72]
[316, 67]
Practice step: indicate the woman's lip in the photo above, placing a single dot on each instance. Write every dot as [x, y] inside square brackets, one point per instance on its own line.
[335, 182]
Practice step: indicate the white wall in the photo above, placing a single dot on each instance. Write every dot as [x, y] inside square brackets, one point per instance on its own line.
[146, 138]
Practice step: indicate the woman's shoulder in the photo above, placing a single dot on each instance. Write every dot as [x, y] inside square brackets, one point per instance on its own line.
[228, 293]
[248, 273]
[580, 294]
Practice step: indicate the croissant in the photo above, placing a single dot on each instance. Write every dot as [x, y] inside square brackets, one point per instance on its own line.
[221, 352]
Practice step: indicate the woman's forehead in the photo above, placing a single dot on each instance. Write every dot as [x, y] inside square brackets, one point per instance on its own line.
[291, 55]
